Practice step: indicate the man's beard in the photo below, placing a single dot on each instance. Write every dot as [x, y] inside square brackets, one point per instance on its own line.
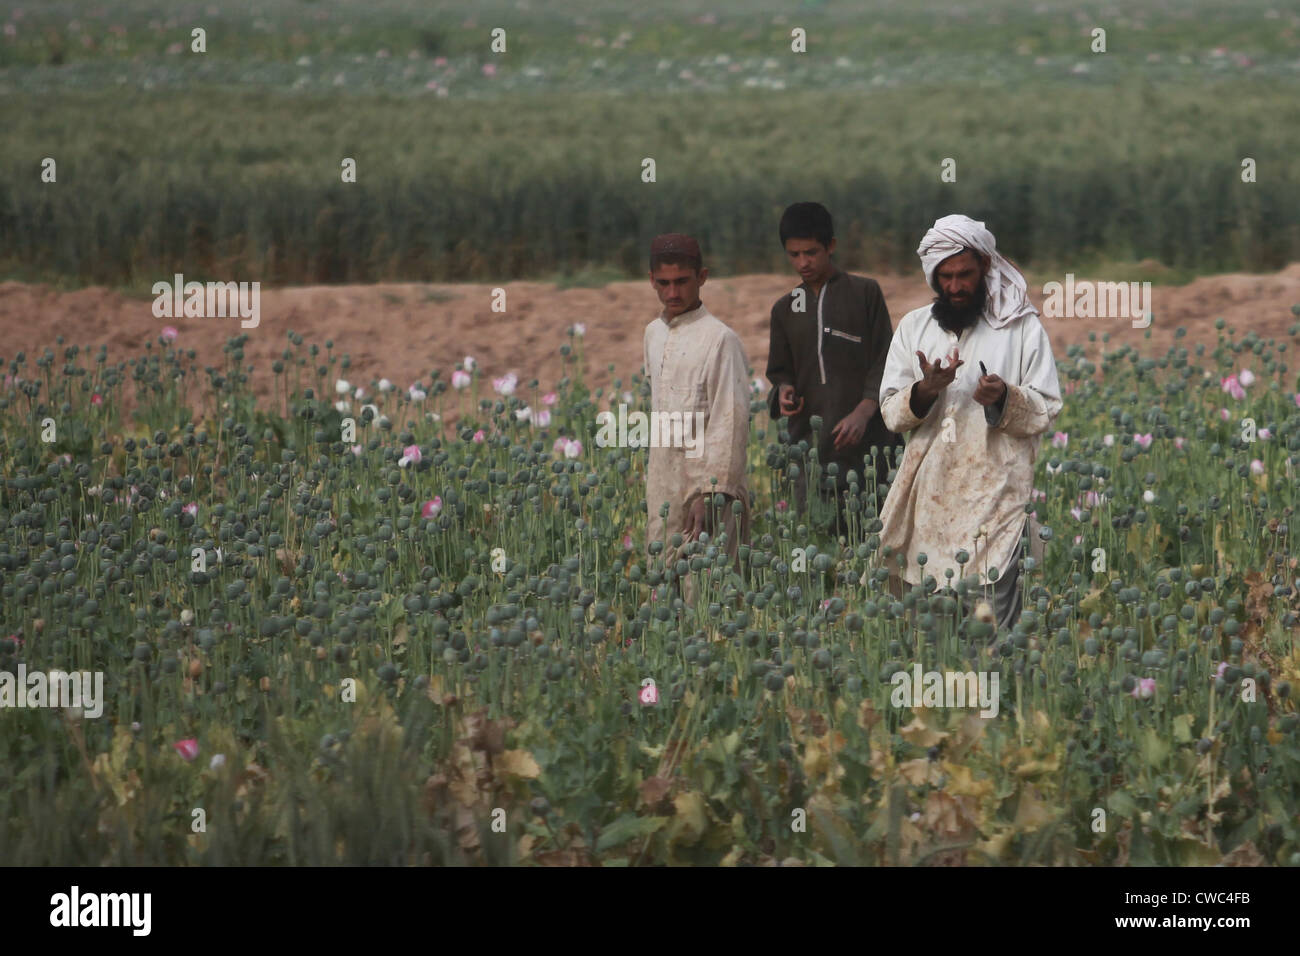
[957, 318]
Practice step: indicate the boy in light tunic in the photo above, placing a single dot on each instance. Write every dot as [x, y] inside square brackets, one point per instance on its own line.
[695, 364]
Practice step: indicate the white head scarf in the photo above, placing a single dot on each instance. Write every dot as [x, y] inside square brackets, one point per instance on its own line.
[1007, 299]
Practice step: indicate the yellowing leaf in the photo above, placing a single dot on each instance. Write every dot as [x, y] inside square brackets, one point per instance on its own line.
[1032, 768]
[692, 817]
[1031, 812]
[519, 763]
[996, 846]
[917, 732]
[919, 771]
[961, 782]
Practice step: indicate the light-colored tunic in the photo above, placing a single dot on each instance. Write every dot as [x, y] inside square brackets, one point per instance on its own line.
[964, 469]
[696, 364]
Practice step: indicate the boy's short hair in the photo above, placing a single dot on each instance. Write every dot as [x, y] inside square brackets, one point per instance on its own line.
[807, 220]
[675, 249]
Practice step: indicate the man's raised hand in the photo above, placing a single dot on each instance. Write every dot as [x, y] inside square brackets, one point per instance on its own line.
[934, 377]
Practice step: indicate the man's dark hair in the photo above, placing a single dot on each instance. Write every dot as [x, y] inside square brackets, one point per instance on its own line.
[694, 263]
[807, 220]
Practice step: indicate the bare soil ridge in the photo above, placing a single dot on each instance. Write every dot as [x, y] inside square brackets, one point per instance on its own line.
[402, 331]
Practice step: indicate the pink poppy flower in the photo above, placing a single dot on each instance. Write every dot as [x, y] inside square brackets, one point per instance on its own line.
[1265, 434]
[541, 418]
[505, 385]
[1246, 377]
[523, 414]
[558, 447]
[1108, 441]
[572, 449]
[169, 333]
[550, 398]
[460, 379]
[1224, 414]
[1091, 499]
[1232, 386]
[1036, 495]
[489, 69]
[191, 509]
[1060, 439]
[1142, 440]
[440, 61]
[1179, 443]
[627, 542]
[479, 436]
[1257, 467]
[1077, 514]
[188, 748]
[1297, 399]
[782, 506]
[356, 450]
[1078, 539]
[432, 508]
[410, 456]
[1146, 687]
[96, 399]
[1223, 667]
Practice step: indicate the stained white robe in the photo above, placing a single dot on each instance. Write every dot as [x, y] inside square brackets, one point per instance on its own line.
[963, 470]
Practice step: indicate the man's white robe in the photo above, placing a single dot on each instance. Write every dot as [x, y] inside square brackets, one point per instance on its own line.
[964, 470]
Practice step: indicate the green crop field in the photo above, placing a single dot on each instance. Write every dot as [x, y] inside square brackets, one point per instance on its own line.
[480, 165]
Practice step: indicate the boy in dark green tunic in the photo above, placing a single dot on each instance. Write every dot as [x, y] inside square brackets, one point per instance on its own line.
[829, 341]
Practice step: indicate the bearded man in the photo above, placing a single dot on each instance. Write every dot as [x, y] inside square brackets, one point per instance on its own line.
[974, 424]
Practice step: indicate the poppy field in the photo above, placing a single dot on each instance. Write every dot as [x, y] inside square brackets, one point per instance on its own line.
[444, 639]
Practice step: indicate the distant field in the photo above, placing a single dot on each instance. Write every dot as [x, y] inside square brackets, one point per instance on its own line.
[474, 165]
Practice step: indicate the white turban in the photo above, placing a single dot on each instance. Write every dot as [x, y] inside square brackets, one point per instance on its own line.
[1007, 299]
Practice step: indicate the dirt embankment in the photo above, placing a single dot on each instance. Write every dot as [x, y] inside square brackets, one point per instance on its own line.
[403, 331]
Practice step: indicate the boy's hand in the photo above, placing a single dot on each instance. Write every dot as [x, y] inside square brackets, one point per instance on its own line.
[791, 404]
[852, 426]
[699, 517]
[696, 518]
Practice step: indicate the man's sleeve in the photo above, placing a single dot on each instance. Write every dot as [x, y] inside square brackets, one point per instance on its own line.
[1033, 404]
[726, 436]
[879, 337]
[897, 382]
[645, 352]
[780, 362]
